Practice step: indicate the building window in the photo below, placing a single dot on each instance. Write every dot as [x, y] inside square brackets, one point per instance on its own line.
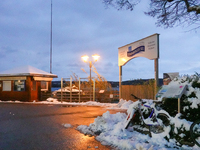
[6, 85]
[19, 85]
[44, 86]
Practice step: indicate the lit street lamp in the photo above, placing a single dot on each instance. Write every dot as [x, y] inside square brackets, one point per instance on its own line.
[85, 59]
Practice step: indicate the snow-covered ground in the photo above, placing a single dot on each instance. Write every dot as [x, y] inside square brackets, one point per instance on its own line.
[109, 128]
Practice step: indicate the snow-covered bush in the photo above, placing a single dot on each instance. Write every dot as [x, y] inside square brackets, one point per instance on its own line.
[190, 101]
[190, 107]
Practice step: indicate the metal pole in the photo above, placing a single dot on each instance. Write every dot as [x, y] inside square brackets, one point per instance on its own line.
[156, 69]
[94, 90]
[90, 81]
[156, 76]
[51, 42]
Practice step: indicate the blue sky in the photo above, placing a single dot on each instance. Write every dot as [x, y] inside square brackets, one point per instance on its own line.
[88, 27]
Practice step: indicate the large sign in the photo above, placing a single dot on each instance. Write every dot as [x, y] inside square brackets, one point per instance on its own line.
[147, 47]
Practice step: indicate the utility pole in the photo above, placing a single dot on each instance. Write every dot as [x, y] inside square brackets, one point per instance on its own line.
[51, 42]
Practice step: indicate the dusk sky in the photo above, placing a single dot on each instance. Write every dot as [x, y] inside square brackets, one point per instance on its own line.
[86, 28]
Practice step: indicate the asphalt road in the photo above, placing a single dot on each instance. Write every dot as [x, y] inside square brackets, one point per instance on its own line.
[40, 127]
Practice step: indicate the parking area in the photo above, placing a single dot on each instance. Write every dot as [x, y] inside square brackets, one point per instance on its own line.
[34, 126]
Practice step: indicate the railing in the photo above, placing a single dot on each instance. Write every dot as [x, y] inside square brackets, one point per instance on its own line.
[142, 91]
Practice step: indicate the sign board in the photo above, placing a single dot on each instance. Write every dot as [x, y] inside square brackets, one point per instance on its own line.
[168, 77]
[147, 47]
[175, 91]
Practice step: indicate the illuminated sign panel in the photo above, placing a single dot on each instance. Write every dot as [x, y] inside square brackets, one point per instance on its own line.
[147, 47]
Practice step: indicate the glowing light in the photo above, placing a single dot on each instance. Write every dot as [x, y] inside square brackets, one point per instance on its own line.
[85, 58]
[96, 57]
[123, 59]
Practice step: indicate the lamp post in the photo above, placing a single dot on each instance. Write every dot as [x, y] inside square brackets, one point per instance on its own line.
[85, 59]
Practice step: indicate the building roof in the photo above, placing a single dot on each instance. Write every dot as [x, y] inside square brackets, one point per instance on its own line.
[27, 71]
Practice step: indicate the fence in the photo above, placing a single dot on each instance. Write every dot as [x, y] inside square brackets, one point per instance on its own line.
[75, 91]
[141, 91]
[81, 93]
[107, 96]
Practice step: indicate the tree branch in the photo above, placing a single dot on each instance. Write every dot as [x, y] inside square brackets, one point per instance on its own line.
[168, 12]
[192, 8]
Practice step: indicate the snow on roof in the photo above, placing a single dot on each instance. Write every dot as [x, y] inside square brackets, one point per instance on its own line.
[26, 71]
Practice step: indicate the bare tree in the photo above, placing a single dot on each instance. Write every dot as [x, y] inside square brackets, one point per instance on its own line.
[169, 13]
[120, 4]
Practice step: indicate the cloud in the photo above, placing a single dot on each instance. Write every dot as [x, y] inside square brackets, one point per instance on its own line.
[81, 28]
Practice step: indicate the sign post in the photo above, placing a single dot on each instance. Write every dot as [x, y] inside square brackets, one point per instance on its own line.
[147, 47]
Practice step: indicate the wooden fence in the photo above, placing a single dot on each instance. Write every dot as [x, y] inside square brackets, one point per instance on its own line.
[141, 91]
[107, 96]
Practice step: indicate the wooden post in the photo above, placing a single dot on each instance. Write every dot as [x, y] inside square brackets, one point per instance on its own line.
[70, 89]
[120, 81]
[179, 105]
[61, 90]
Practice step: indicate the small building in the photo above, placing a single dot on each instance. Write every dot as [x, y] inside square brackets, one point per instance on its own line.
[24, 84]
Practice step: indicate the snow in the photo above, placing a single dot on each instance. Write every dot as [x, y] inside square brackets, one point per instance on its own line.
[67, 89]
[25, 70]
[67, 125]
[113, 133]
[109, 128]
[181, 123]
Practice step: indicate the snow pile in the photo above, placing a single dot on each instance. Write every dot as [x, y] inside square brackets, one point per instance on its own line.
[52, 100]
[67, 125]
[109, 129]
[68, 89]
[123, 104]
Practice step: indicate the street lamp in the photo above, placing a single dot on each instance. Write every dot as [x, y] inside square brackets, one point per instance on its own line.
[85, 59]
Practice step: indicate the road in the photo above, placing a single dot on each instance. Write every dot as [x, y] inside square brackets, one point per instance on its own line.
[40, 127]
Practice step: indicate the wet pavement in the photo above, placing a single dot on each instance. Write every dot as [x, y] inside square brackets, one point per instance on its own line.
[40, 127]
